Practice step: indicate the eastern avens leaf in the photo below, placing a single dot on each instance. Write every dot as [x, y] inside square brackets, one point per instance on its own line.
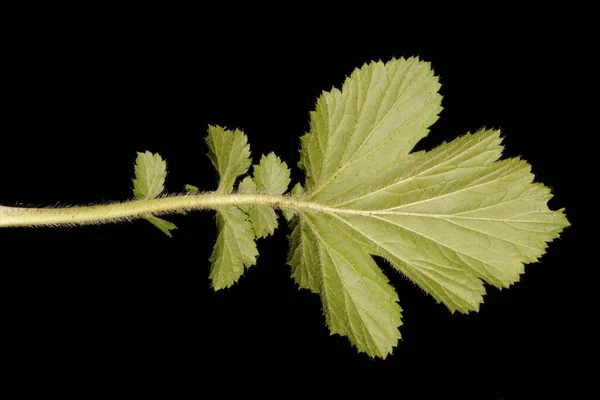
[450, 219]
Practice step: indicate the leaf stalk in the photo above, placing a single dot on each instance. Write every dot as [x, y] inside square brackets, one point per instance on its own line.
[136, 209]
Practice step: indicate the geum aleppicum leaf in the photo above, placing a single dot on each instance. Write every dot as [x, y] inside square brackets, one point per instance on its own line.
[270, 176]
[150, 174]
[447, 219]
[235, 248]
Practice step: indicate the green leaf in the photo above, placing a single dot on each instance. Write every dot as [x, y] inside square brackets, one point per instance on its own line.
[162, 224]
[246, 186]
[150, 174]
[448, 219]
[270, 176]
[302, 257]
[229, 152]
[360, 136]
[191, 189]
[262, 218]
[297, 190]
[235, 248]
[357, 300]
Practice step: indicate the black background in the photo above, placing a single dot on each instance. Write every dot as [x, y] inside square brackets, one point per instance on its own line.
[103, 305]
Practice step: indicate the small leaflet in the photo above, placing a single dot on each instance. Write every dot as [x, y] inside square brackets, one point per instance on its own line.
[150, 174]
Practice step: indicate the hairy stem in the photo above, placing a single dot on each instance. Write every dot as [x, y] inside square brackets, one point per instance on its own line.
[129, 210]
[134, 209]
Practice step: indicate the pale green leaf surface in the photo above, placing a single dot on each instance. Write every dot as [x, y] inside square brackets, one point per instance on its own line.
[162, 224]
[191, 189]
[150, 174]
[303, 257]
[448, 219]
[297, 190]
[247, 185]
[235, 249]
[270, 176]
[263, 219]
[229, 152]
[288, 213]
[359, 135]
[358, 301]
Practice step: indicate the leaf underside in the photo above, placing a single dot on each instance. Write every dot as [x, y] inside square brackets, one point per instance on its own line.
[235, 248]
[238, 227]
[149, 182]
[448, 219]
[270, 176]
